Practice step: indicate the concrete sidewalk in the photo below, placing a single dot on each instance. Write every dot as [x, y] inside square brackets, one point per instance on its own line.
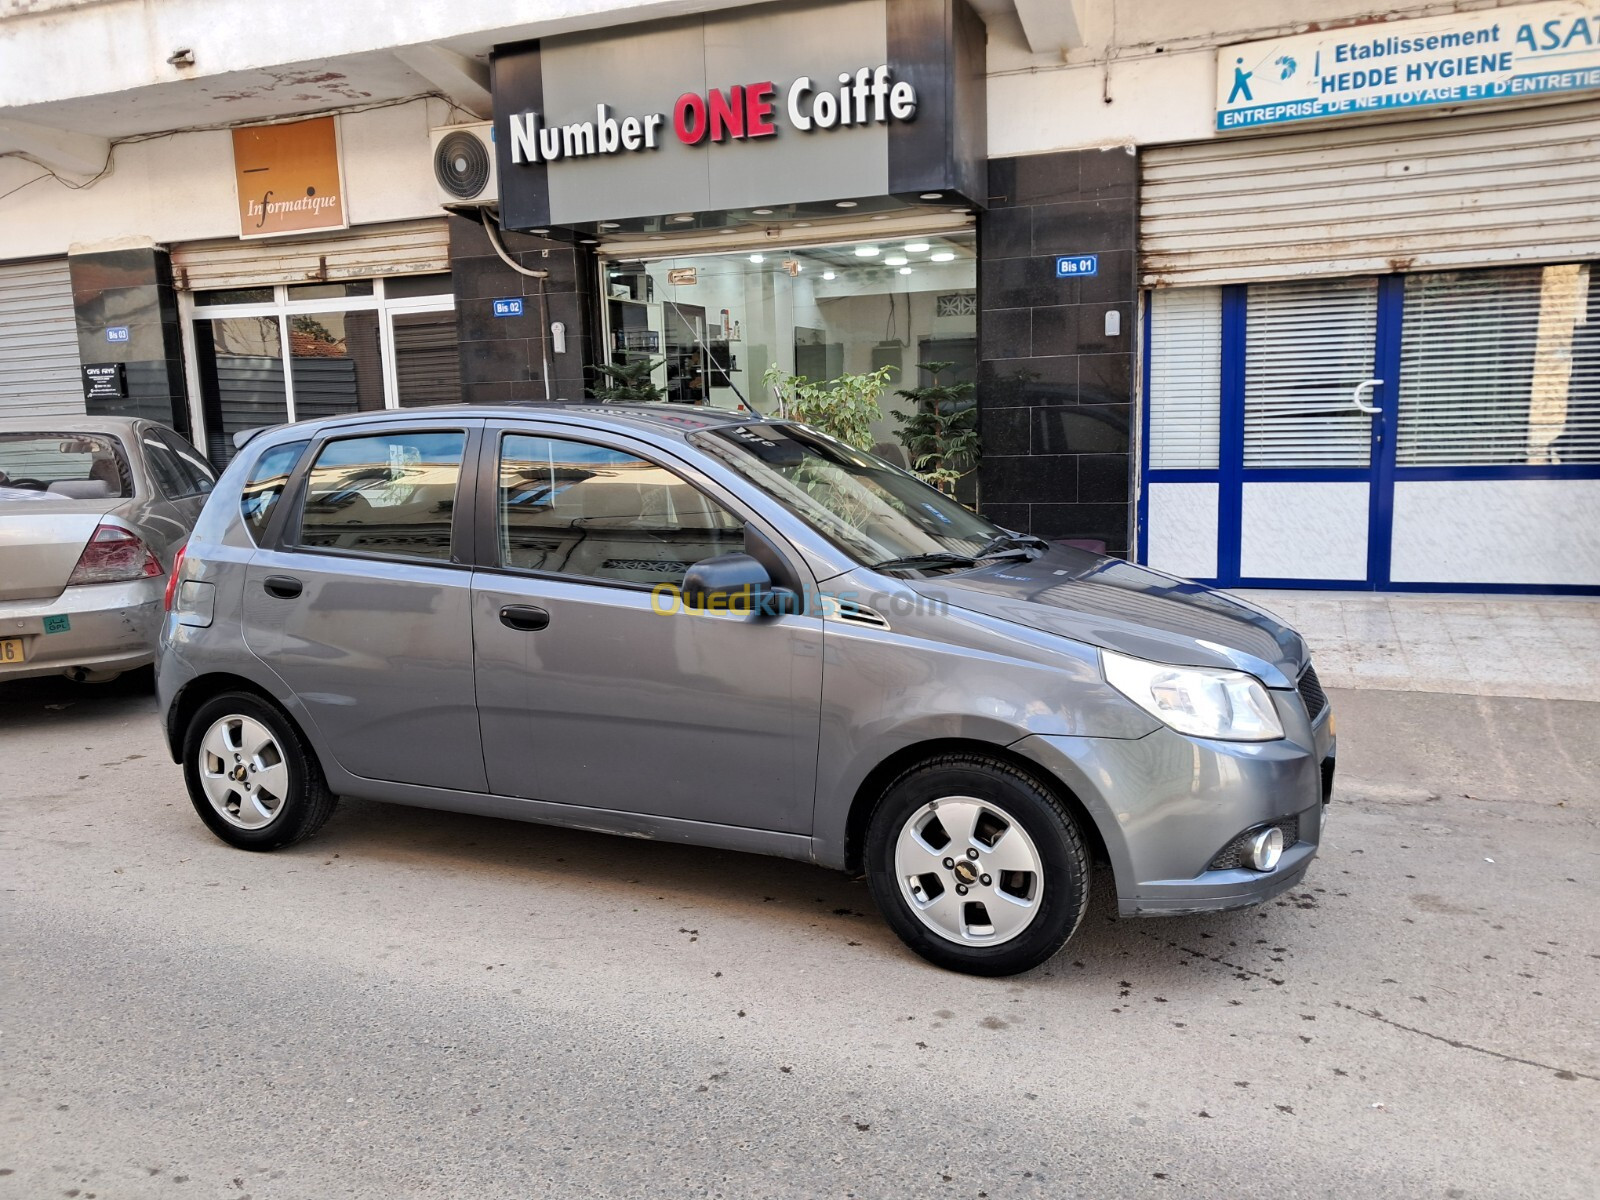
[1545, 647]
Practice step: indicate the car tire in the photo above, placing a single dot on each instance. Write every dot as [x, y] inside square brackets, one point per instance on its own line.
[252, 777]
[1011, 844]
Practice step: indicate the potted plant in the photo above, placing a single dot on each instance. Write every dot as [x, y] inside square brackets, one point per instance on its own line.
[940, 433]
[844, 407]
[628, 382]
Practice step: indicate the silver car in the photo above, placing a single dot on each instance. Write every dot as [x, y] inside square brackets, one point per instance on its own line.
[680, 624]
[92, 513]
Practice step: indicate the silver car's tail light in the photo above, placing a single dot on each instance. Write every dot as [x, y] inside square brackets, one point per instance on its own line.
[114, 555]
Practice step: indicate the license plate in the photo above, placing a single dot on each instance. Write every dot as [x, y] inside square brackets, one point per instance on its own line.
[11, 650]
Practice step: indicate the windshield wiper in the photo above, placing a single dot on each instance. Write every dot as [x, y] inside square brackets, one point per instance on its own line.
[914, 561]
[1005, 541]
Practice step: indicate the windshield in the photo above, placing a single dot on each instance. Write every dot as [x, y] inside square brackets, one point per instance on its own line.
[873, 511]
[74, 466]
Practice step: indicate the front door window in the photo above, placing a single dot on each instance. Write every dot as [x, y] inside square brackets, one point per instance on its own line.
[578, 509]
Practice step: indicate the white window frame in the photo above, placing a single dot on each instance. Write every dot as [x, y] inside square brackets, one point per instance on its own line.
[282, 308]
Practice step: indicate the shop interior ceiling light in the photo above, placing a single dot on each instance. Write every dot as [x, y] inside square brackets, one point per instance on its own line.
[829, 275]
[845, 204]
[905, 270]
[762, 212]
[866, 251]
[755, 258]
[916, 247]
[943, 256]
[895, 260]
[931, 196]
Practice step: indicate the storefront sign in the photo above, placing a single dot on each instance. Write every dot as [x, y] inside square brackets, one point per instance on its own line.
[1489, 54]
[1072, 265]
[508, 308]
[804, 102]
[683, 277]
[117, 333]
[736, 113]
[288, 179]
[105, 381]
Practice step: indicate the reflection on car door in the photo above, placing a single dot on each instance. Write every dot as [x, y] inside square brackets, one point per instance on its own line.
[363, 605]
[588, 694]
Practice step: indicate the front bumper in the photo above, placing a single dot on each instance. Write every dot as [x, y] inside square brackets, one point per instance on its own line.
[1166, 805]
[113, 627]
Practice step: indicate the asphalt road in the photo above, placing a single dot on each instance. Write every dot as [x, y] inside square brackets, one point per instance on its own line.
[426, 1004]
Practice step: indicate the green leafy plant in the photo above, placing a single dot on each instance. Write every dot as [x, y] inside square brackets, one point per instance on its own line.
[940, 433]
[628, 382]
[843, 408]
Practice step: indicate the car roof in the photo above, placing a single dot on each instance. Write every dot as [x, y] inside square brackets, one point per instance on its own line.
[680, 420]
[52, 425]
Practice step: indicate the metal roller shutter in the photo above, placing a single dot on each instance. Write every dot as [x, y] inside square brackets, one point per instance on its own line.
[39, 374]
[404, 248]
[1473, 189]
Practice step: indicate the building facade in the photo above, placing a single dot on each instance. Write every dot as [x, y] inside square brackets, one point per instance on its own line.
[1291, 295]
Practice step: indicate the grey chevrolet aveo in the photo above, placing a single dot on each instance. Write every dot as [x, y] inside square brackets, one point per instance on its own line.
[694, 626]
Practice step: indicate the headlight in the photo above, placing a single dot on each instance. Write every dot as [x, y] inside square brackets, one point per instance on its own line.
[1227, 705]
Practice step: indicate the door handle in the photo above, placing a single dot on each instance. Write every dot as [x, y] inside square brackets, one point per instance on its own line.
[1371, 410]
[525, 617]
[285, 587]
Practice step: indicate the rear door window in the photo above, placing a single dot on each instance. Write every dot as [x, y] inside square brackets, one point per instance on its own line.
[171, 480]
[390, 494]
[197, 473]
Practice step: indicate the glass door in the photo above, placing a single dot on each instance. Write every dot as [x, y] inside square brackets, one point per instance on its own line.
[713, 325]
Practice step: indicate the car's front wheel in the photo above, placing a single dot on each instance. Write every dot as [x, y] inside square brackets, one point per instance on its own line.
[252, 778]
[976, 866]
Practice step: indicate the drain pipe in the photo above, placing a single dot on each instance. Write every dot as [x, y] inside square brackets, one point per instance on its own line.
[492, 228]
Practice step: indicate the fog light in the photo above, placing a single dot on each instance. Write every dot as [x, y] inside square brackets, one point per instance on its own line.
[1263, 849]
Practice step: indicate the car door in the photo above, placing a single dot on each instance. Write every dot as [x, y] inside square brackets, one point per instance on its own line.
[362, 604]
[592, 690]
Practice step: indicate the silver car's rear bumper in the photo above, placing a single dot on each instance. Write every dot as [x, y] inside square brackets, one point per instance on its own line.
[112, 627]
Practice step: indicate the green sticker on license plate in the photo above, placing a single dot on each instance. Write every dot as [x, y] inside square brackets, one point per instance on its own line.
[60, 623]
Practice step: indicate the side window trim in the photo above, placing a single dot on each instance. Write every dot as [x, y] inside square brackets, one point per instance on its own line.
[486, 541]
[283, 529]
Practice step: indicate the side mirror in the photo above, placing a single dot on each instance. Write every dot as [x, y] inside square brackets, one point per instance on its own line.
[733, 582]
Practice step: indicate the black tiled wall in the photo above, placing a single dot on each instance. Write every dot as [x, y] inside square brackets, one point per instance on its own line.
[1054, 392]
[133, 288]
[502, 357]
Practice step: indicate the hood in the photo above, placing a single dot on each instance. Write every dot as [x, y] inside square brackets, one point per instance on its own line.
[1133, 610]
[40, 541]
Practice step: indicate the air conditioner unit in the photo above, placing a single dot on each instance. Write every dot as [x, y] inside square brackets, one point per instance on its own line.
[463, 163]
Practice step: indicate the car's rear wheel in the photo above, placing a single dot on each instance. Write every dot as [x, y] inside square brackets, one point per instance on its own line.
[252, 777]
[976, 866]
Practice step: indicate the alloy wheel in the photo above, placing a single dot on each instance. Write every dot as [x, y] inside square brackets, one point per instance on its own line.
[243, 772]
[969, 871]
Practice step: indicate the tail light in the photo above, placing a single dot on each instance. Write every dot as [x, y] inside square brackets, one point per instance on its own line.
[114, 555]
[172, 580]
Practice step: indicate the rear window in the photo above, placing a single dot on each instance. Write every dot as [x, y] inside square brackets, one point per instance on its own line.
[264, 488]
[74, 466]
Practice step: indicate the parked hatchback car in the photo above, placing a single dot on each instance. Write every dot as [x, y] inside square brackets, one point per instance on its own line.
[92, 512]
[685, 625]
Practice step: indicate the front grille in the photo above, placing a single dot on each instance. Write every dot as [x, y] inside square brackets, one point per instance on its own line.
[1311, 693]
[1233, 854]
